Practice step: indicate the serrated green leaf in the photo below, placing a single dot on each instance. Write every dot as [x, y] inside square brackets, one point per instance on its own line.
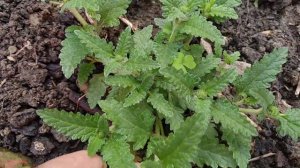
[140, 65]
[198, 26]
[239, 145]
[182, 82]
[165, 53]
[125, 43]
[140, 93]
[79, 4]
[205, 65]
[142, 42]
[94, 145]
[96, 90]
[172, 113]
[110, 11]
[212, 153]
[121, 81]
[151, 164]
[264, 97]
[116, 153]
[75, 125]
[290, 123]
[223, 11]
[72, 53]
[85, 70]
[169, 5]
[263, 72]
[100, 47]
[229, 116]
[134, 122]
[229, 3]
[181, 148]
[218, 84]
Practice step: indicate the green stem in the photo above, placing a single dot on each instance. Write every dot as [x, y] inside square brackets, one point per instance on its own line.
[187, 43]
[157, 126]
[252, 111]
[77, 15]
[174, 31]
[162, 132]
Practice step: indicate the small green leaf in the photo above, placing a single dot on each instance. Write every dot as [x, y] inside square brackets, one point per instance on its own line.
[290, 123]
[189, 62]
[85, 70]
[72, 53]
[134, 122]
[264, 97]
[229, 116]
[239, 145]
[94, 145]
[125, 43]
[96, 90]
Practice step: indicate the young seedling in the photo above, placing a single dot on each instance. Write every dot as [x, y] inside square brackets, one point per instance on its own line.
[164, 96]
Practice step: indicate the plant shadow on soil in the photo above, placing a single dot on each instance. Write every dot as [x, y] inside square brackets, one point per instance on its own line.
[32, 79]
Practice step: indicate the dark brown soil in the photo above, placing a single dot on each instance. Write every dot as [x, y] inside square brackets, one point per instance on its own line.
[32, 79]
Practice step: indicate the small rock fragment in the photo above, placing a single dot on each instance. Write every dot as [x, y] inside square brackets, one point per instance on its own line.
[41, 146]
[59, 137]
[23, 118]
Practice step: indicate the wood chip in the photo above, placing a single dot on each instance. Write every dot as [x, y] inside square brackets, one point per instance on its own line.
[3, 82]
[262, 156]
[240, 66]
[206, 45]
[128, 23]
[297, 92]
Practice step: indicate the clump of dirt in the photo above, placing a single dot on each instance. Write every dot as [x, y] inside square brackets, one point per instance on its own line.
[31, 78]
[258, 31]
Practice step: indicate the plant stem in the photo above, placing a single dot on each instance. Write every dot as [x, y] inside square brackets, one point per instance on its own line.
[174, 31]
[162, 132]
[77, 15]
[157, 126]
[187, 43]
[252, 111]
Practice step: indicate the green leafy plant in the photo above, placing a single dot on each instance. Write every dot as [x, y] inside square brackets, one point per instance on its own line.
[164, 95]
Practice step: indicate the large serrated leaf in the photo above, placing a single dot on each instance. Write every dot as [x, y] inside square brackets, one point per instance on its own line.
[218, 84]
[172, 113]
[290, 123]
[116, 152]
[75, 125]
[72, 53]
[100, 47]
[165, 53]
[198, 26]
[140, 65]
[134, 122]
[181, 148]
[96, 90]
[229, 116]
[125, 43]
[263, 72]
[239, 145]
[94, 145]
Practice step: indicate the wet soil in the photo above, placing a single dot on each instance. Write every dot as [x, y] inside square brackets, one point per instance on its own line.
[31, 79]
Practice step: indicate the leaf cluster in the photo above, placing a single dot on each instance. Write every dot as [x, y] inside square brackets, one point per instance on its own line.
[167, 96]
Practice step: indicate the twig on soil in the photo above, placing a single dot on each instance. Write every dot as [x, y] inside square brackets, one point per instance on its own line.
[252, 122]
[27, 45]
[297, 92]
[128, 23]
[3, 82]
[75, 98]
[262, 156]
[89, 18]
